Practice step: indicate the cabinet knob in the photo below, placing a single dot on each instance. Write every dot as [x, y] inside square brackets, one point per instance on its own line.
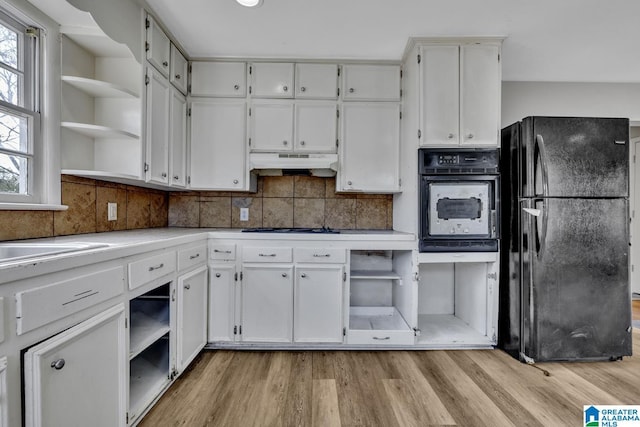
[470, 136]
[351, 90]
[450, 136]
[284, 142]
[284, 274]
[303, 89]
[349, 183]
[164, 174]
[235, 181]
[217, 274]
[177, 76]
[302, 143]
[176, 177]
[165, 64]
[303, 275]
[236, 87]
[58, 364]
[285, 88]
[187, 286]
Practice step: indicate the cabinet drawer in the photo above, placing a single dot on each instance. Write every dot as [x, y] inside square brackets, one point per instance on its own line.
[187, 258]
[223, 252]
[266, 255]
[321, 255]
[380, 337]
[40, 306]
[148, 269]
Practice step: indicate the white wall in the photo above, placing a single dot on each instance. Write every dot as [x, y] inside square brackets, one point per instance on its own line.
[522, 99]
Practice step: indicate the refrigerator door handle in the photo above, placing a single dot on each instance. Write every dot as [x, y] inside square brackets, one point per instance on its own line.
[540, 156]
[539, 226]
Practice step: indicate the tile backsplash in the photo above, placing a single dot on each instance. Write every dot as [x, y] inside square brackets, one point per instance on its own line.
[281, 201]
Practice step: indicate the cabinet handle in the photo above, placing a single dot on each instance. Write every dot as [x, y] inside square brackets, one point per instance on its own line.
[285, 88]
[235, 181]
[321, 255]
[217, 274]
[303, 89]
[284, 274]
[157, 267]
[165, 64]
[218, 251]
[450, 136]
[381, 338]
[301, 142]
[194, 256]
[164, 174]
[176, 177]
[58, 364]
[236, 87]
[284, 142]
[177, 76]
[303, 275]
[187, 286]
[470, 136]
[351, 90]
[269, 255]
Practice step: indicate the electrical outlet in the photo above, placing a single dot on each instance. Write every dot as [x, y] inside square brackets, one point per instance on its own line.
[244, 214]
[112, 211]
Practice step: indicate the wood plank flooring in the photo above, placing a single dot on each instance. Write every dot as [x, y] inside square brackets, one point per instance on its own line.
[390, 388]
[636, 309]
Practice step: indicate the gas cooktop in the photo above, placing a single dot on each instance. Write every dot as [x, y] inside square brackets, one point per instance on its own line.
[322, 230]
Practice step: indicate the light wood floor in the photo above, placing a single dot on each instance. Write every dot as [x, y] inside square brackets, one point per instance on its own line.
[636, 309]
[390, 388]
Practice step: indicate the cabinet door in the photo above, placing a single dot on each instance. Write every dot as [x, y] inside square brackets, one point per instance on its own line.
[222, 280]
[480, 94]
[439, 95]
[178, 143]
[371, 83]
[317, 81]
[370, 147]
[318, 304]
[316, 127]
[179, 70]
[192, 316]
[225, 79]
[158, 100]
[78, 377]
[158, 47]
[272, 126]
[218, 158]
[271, 80]
[267, 303]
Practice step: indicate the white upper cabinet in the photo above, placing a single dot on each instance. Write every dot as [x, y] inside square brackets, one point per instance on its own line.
[459, 94]
[370, 147]
[271, 126]
[158, 104]
[371, 82]
[178, 142]
[272, 80]
[158, 46]
[480, 86]
[223, 79]
[315, 127]
[317, 81]
[218, 156]
[179, 70]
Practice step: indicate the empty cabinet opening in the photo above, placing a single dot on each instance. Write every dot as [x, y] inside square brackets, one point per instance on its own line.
[455, 303]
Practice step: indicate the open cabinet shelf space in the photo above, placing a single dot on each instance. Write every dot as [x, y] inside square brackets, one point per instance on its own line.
[99, 88]
[374, 275]
[376, 318]
[448, 330]
[149, 374]
[97, 131]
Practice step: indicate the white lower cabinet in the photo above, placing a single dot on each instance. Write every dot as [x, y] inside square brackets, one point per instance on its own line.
[192, 315]
[267, 303]
[78, 377]
[318, 303]
[222, 301]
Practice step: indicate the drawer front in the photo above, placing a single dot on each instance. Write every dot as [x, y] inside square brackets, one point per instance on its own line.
[223, 252]
[266, 255]
[321, 255]
[188, 258]
[380, 337]
[40, 306]
[148, 269]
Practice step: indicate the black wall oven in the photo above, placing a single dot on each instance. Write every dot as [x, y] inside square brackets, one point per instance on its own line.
[459, 199]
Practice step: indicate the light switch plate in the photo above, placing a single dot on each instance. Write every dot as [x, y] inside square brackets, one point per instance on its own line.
[244, 214]
[112, 211]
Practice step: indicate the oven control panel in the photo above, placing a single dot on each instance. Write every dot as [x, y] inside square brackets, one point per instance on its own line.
[458, 160]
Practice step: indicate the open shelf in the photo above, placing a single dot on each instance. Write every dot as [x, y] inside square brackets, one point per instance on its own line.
[148, 375]
[448, 330]
[145, 330]
[99, 88]
[100, 174]
[376, 318]
[374, 275]
[97, 131]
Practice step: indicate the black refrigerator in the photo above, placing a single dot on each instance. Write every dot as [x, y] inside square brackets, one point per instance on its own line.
[564, 282]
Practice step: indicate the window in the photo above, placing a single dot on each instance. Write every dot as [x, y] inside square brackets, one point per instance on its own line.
[19, 111]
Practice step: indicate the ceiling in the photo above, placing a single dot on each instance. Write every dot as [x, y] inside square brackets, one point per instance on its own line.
[546, 40]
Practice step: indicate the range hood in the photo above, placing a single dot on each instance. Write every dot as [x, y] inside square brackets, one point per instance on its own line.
[270, 164]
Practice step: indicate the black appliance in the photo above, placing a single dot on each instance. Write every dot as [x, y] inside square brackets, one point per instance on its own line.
[564, 280]
[459, 199]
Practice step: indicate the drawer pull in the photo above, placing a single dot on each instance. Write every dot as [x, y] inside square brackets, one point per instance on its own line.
[157, 267]
[267, 255]
[58, 364]
[382, 338]
[321, 255]
[218, 251]
[194, 256]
